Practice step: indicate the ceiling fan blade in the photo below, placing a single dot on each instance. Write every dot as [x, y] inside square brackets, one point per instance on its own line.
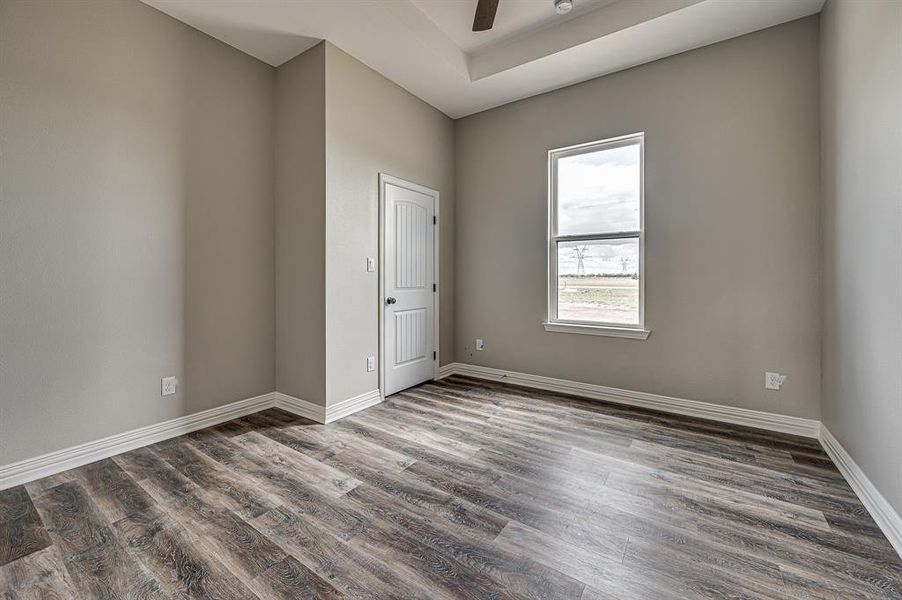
[485, 15]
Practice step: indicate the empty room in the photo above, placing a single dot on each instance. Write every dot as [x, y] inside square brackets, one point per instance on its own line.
[415, 299]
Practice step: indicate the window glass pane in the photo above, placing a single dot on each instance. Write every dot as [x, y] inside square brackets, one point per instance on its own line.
[598, 192]
[599, 281]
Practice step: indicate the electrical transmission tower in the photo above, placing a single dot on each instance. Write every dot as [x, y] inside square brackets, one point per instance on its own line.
[581, 252]
[624, 263]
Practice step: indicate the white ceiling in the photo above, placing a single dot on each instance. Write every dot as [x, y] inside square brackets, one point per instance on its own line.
[426, 46]
[514, 18]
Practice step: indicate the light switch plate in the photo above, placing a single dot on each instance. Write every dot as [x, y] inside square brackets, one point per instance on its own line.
[169, 386]
[371, 265]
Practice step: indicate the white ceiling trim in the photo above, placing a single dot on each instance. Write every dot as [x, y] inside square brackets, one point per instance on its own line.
[410, 43]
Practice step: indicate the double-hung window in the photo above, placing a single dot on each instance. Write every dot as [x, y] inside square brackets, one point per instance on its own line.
[596, 238]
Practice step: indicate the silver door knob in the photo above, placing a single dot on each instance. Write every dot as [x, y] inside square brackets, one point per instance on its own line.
[390, 300]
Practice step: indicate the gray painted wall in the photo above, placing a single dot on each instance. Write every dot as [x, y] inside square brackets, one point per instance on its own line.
[861, 82]
[136, 220]
[732, 217]
[300, 226]
[373, 126]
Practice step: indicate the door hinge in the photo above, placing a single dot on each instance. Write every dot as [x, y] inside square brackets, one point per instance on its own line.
[433, 287]
[434, 355]
[434, 219]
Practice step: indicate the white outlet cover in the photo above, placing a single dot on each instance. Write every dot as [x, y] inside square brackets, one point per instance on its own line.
[371, 265]
[773, 381]
[370, 363]
[480, 344]
[169, 386]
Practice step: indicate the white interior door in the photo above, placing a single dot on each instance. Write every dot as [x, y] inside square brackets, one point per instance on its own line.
[409, 286]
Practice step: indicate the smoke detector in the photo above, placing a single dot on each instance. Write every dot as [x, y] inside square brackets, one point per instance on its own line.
[562, 7]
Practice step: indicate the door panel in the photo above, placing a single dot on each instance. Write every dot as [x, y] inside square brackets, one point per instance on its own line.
[410, 245]
[410, 326]
[409, 298]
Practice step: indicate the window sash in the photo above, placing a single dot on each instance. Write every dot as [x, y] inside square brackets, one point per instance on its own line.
[588, 237]
[553, 281]
[554, 239]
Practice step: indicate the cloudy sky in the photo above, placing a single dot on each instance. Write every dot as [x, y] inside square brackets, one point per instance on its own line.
[598, 192]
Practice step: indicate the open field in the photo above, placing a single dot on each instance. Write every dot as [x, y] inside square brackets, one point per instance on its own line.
[612, 282]
[605, 299]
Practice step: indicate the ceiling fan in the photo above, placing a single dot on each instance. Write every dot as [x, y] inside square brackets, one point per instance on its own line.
[486, 9]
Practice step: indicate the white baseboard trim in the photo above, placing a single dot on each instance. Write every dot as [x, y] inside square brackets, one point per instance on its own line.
[692, 408]
[68, 458]
[347, 407]
[447, 370]
[52, 463]
[327, 414]
[299, 407]
[889, 521]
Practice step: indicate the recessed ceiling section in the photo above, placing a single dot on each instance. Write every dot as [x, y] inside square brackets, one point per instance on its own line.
[606, 19]
[514, 18]
[428, 48]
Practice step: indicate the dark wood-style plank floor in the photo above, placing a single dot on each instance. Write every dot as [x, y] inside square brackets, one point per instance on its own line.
[453, 489]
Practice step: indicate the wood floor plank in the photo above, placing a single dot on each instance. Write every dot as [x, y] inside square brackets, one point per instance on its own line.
[290, 579]
[41, 575]
[457, 488]
[163, 546]
[448, 463]
[21, 537]
[22, 531]
[343, 564]
[143, 464]
[569, 521]
[216, 480]
[115, 493]
[419, 410]
[237, 544]
[605, 576]
[447, 576]
[515, 572]
[321, 442]
[706, 571]
[326, 479]
[656, 483]
[290, 487]
[95, 559]
[429, 502]
[552, 476]
[806, 557]
[216, 529]
[15, 503]
[417, 435]
[45, 483]
[800, 584]
[316, 441]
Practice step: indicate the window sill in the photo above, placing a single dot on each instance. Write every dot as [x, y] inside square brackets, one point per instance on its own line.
[631, 333]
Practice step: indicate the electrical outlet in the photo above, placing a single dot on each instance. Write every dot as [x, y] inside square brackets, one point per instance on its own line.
[480, 345]
[773, 381]
[370, 363]
[371, 265]
[168, 386]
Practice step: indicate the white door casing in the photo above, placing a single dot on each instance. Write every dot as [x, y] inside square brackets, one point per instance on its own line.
[409, 278]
